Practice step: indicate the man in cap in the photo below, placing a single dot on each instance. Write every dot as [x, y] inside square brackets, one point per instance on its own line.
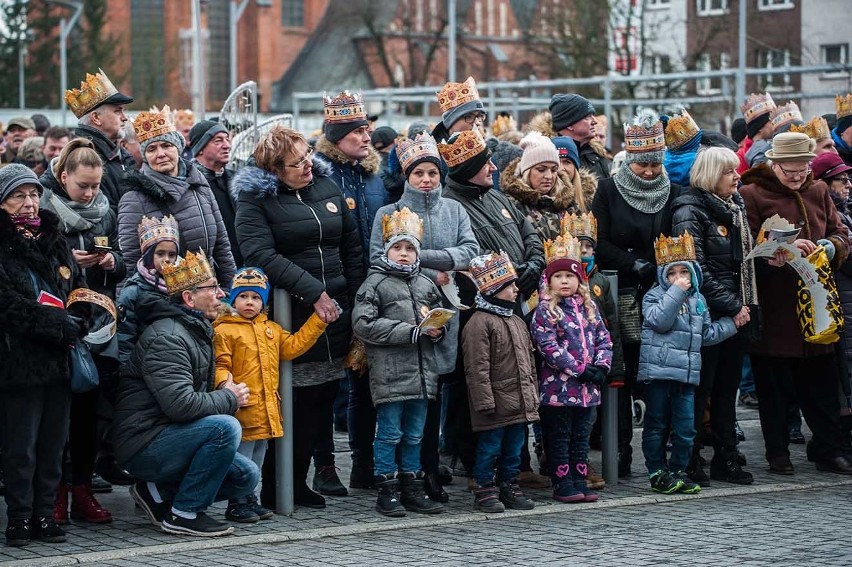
[574, 116]
[17, 130]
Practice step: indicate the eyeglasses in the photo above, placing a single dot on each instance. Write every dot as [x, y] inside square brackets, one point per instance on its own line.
[794, 174]
[301, 163]
[19, 198]
[215, 287]
[473, 117]
[843, 180]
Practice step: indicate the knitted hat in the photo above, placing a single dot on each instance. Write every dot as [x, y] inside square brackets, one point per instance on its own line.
[343, 114]
[13, 176]
[201, 134]
[537, 149]
[503, 153]
[738, 130]
[413, 152]
[492, 272]
[383, 137]
[644, 139]
[465, 154]
[568, 109]
[402, 225]
[563, 254]
[567, 149]
[250, 279]
[157, 126]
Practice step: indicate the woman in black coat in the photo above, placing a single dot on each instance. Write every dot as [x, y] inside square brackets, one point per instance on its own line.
[712, 211]
[35, 340]
[294, 223]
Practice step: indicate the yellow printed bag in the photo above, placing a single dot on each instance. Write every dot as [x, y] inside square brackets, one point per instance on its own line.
[818, 303]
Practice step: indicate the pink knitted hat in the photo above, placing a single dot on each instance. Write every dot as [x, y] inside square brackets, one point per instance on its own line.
[537, 149]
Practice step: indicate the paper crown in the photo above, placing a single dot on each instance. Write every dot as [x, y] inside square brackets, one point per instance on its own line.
[184, 117]
[580, 226]
[645, 134]
[152, 231]
[503, 124]
[843, 106]
[92, 92]
[402, 223]
[187, 272]
[784, 115]
[757, 105]
[563, 247]
[345, 107]
[670, 249]
[456, 94]
[152, 123]
[680, 129]
[492, 272]
[817, 128]
[409, 151]
[465, 146]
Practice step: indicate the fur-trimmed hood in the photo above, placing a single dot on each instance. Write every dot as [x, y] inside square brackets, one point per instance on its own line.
[562, 195]
[372, 164]
[262, 183]
[543, 123]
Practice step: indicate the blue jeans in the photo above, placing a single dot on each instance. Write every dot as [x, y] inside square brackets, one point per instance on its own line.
[747, 381]
[566, 437]
[503, 443]
[668, 403]
[195, 464]
[399, 424]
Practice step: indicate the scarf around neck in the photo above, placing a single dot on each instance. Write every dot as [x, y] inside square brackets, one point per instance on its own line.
[644, 196]
[151, 276]
[748, 282]
[74, 216]
[493, 305]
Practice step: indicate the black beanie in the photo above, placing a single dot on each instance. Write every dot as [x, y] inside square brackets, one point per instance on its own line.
[755, 125]
[567, 109]
[843, 124]
[383, 137]
[201, 134]
[336, 132]
[465, 170]
[739, 130]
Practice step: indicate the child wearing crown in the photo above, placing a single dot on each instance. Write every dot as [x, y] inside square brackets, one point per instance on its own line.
[389, 307]
[576, 356]
[676, 325]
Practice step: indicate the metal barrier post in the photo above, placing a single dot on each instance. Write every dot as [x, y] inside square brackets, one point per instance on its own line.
[609, 407]
[284, 445]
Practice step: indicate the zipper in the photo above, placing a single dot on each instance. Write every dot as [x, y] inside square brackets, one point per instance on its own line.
[428, 223]
[322, 262]
[689, 352]
[419, 349]
[581, 322]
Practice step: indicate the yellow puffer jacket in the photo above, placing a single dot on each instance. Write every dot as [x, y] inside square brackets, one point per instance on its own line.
[251, 351]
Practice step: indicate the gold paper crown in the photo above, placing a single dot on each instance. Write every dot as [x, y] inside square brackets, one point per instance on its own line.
[581, 226]
[456, 94]
[92, 92]
[503, 124]
[563, 247]
[465, 146]
[646, 134]
[817, 128]
[680, 129]
[345, 107]
[409, 151]
[184, 117]
[492, 272]
[843, 106]
[152, 231]
[186, 273]
[152, 123]
[670, 249]
[757, 105]
[785, 114]
[402, 223]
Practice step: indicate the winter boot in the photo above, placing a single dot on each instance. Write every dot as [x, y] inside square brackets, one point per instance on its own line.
[388, 502]
[486, 499]
[513, 498]
[434, 490]
[413, 497]
[84, 505]
[579, 472]
[594, 480]
[327, 483]
[728, 469]
[60, 505]
[563, 486]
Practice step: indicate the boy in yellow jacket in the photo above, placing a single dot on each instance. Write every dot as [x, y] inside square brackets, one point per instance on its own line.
[249, 347]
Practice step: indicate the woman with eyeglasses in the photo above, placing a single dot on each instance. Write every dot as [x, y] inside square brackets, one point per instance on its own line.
[786, 368]
[294, 223]
[36, 333]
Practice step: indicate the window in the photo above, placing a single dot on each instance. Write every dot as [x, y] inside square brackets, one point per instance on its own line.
[651, 4]
[711, 7]
[774, 59]
[775, 4]
[706, 62]
[658, 65]
[293, 13]
[835, 54]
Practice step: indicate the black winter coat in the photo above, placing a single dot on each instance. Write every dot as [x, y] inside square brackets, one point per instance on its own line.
[221, 187]
[34, 338]
[307, 241]
[593, 161]
[718, 247]
[117, 163]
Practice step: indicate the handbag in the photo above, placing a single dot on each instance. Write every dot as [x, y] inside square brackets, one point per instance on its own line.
[818, 306]
[84, 373]
[629, 316]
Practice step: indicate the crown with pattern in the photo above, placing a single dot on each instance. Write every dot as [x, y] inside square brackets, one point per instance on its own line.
[152, 123]
[152, 231]
[680, 129]
[187, 272]
[465, 146]
[580, 226]
[757, 105]
[784, 115]
[563, 247]
[345, 107]
[843, 106]
[409, 151]
[92, 93]
[184, 117]
[492, 272]
[456, 94]
[670, 249]
[645, 134]
[503, 125]
[402, 223]
[816, 128]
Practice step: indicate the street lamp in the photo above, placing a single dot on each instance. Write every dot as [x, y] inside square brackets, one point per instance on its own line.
[237, 8]
[65, 27]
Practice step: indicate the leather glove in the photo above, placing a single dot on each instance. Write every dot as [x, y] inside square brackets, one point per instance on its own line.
[643, 269]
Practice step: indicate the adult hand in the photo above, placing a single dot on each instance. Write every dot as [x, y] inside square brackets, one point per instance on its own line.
[107, 262]
[442, 278]
[806, 246]
[326, 309]
[434, 333]
[241, 391]
[779, 259]
[85, 259]
[742, 317]
[643, 269]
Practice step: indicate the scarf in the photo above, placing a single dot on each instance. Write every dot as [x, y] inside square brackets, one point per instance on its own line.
[838, 141]
[74, 216]
[644, 196]
[405, 269]
[151, 276]
[27, 226]
[679, 162]
[748, 282]
[493, 305]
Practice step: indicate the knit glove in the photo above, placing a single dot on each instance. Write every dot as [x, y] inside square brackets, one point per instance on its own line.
[643, 269]
[829, 247]
[597, 375]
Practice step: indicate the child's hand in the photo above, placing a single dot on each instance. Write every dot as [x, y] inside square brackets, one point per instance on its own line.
[434, 333]
[683, 282]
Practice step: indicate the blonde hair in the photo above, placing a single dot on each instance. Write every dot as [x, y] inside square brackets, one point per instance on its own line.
[583, 289]
[710, 163]
[76, 153]
[576, 187]
[273, 148]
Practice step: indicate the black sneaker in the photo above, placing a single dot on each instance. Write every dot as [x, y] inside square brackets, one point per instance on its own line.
[109, 469]
[202, 525]
[241, 512]
[18, 533]
[327, 482]
[100, 486]
[155, 511]
[687, 486]
[695, 472]
[664, 483]
[257, 508]
[46, 529]
[729, 470]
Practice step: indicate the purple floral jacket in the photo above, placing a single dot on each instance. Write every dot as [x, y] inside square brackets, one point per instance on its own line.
[567, 346]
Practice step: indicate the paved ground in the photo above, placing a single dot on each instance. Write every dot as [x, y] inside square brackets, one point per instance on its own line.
[747, 525]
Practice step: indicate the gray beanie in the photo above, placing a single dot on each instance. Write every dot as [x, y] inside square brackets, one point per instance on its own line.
[13, 176]
[173, 137]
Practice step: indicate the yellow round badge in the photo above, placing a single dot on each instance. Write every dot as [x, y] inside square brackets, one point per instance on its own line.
[597, 290]
[723, 230]
[350, 202]
[65, 272]
[269, 333]
[506, 214]
[333, 208]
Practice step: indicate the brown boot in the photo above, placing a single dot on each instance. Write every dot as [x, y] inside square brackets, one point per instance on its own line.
[594, 481]
[84, 505]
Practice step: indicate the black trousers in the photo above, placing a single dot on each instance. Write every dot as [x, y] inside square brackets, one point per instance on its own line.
[429, 445]
[813, 382]
[82, 445]
[36, 427]
[362, 421]
[625, 401]
[721, 370]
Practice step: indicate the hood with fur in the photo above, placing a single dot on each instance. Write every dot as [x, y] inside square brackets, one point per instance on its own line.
[562, 194]
[262, 183]
[372, 164]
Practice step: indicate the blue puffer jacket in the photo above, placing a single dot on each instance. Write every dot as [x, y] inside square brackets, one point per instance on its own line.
[676, 325]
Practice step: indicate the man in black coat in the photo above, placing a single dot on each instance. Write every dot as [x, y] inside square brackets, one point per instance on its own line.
[574, 116]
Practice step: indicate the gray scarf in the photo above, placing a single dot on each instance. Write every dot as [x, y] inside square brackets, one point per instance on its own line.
[74, 216]
[645, 196]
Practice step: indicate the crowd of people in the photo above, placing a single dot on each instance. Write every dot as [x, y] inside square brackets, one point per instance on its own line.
[448, 304]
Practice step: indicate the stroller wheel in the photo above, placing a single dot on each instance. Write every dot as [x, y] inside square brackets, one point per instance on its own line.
[638, 413]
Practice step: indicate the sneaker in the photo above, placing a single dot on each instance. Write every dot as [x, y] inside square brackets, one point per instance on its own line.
[729, 470]
[687, 486]
[513, 498]
[327, 482]
[201, 525]
[796, 437]
[257, 508]
[155, 511]
[664, 483]
[749, 400]
[45, 529]
[18, 533]
[100, 486]
[565, 491]
[240, 512]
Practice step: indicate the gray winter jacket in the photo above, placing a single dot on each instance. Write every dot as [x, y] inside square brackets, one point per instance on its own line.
[448, 245]
[676, 325]
[388, 308]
